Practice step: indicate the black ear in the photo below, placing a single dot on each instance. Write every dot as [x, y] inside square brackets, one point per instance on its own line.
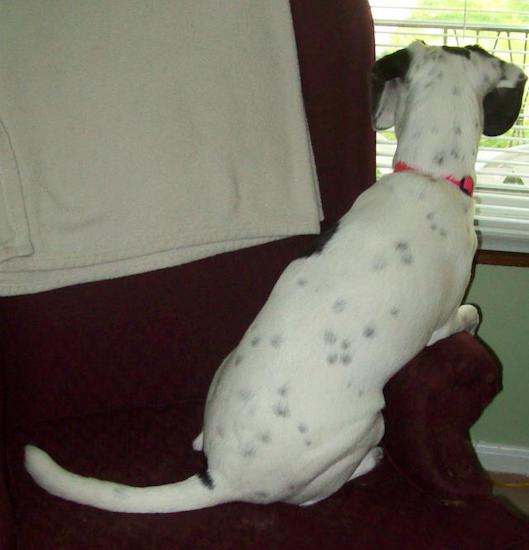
[502, 105]
[383, 90]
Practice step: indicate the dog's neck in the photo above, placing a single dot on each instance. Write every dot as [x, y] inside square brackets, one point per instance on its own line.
[464, 184]
[440, 138]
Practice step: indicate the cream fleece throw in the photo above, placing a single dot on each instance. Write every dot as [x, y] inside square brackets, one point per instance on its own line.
[139, 134]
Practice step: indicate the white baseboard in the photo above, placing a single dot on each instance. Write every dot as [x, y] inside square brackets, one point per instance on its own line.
[503, 458]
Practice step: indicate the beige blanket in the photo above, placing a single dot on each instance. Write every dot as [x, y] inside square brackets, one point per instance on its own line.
[140, 134]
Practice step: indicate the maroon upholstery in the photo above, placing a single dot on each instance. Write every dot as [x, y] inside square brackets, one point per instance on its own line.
[429, 413]
[151, 446]
[110, 377]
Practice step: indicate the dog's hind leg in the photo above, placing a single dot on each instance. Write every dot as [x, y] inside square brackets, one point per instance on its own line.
[335, 477]
[372, 458]
[198, 442]
[324, 485]
[466, 318]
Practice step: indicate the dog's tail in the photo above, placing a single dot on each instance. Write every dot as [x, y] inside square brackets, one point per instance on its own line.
[198, 491]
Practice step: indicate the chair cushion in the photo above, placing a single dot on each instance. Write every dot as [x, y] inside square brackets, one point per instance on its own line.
[153, 446]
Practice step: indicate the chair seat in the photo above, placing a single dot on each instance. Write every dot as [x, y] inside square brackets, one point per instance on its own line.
[150, 446]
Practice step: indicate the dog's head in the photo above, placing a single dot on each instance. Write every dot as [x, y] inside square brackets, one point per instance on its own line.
[447, 72]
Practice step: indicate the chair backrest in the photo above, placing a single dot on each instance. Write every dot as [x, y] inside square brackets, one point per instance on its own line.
[156, 338]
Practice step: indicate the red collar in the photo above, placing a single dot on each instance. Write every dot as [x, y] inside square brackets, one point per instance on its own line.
[466, 184]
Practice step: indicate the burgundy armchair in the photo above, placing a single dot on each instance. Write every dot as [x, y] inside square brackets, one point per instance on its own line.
[111, 377]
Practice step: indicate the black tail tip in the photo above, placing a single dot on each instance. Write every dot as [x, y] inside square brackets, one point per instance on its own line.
[206, 479]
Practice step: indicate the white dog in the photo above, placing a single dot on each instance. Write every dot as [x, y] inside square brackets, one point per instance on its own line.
[294, 412]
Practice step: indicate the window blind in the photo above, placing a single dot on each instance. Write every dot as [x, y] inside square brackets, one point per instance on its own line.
[502, 28]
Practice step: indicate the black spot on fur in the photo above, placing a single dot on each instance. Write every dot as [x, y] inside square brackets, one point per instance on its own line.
[457, 51]
[255, 341]
[245, 394]
[301, 282]
[238, 360]
[346, 358]
[206, 479]
[379, 264]
[369, 332]
[403, 248]
[281, 409]
[262, 494]
[439, 158]
[478, 49]
[457, 130]
[264, 437]
[329, 337]
[332, 358]
[283, 390]
[394, 311]
[321, 241]
[303, 428]
[339, 306]
[276, 340]
[456, 90]
[248, 451]
[346, 344]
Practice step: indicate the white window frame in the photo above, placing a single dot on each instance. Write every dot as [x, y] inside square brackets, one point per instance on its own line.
[502, 209]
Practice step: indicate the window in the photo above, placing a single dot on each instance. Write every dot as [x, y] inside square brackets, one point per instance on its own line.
[502, 28]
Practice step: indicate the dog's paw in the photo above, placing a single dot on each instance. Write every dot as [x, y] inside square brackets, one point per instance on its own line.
[466, 317]
[198, 442]
[469, 316]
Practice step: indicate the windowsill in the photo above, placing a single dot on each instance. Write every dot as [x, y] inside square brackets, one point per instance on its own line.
[496, 257]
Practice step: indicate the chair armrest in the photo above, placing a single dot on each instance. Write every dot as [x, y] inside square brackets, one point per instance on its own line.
[430, 406]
